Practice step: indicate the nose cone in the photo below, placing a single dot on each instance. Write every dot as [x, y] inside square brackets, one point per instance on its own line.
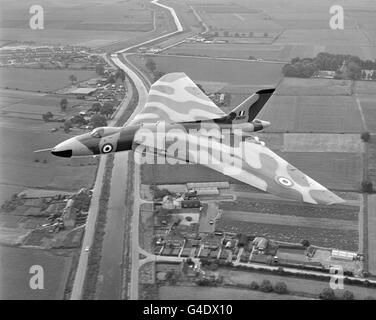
[64, 149]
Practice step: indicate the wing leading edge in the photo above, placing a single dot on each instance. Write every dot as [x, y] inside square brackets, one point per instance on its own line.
[176, 98]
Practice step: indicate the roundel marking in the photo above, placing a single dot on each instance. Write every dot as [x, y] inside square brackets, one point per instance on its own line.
[107, 148]
[286, 182]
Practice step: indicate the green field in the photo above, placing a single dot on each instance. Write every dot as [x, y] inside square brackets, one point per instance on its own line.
[242, 51]
[19, 169]
[23, 131]
[239, 74]
[340, 171]
[345, 240]
[15, 264]
[205, 293]
[318, 87]
[316, 113]
[39, 79]
[89, 23]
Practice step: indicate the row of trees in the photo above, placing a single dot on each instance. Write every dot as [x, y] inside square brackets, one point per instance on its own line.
[306, 67]
[266, 286]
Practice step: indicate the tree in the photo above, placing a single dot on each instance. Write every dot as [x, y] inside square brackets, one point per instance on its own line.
[98, 120]
[63, 104]
[67, 126]
[280, 288]
[107, 109]
[265, 34]
[158, 75]
[327, 294]
[354, 71]
[226, 33]
[112, 78]
[200, 87]
[150, 64]
[305, 243]
[253, 285]
[266, 286]
[96, 107]
[47, 116]
[79, 120]
[373, 77]
[367, 186]
[99, 69]
[365, 136]
[120, 74]
[73, 78]
[348, 295]
[364, 75]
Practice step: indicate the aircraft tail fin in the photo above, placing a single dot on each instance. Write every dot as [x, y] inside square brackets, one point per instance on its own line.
[250, 107]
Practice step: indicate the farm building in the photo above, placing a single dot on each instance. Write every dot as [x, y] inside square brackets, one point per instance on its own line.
[343, 255]
[190, 204]
[82, 92]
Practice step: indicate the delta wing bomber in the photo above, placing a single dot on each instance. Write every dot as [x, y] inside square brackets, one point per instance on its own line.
[181, 124]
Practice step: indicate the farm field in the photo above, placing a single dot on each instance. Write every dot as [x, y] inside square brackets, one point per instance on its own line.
[368, 105]
[341, 212]
[340, 171]
[317, 87]
[88, 23]
[242, 51]
[217, 293]
[325, 114]
[23, 131]
[31, 105]
[293, 284]
[39, 79]
[322, 142]
[20, 170]
[289, 220]
[240, 74]
[15, 275]
[332, 238]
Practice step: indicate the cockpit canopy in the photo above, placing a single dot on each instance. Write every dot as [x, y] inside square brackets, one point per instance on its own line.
[101, 132]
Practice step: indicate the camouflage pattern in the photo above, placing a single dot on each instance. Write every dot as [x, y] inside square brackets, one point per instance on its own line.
[179, 122]
[247, 160]
[175, 98]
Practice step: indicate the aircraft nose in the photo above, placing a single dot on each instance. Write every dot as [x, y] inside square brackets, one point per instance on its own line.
[64, 149]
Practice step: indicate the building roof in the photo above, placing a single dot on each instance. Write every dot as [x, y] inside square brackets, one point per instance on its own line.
[84, 90]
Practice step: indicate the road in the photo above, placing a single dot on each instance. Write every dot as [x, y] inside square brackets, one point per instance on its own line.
[78, 284]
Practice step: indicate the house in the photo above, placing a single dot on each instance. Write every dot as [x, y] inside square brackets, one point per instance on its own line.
[261, 243]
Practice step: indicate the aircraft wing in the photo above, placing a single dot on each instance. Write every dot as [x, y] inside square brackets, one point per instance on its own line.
[176, 98]
[253, 163]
